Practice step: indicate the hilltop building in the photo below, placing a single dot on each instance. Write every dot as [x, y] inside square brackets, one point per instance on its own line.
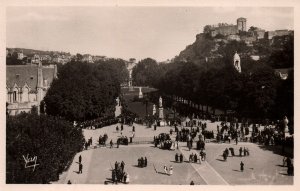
[26, 86]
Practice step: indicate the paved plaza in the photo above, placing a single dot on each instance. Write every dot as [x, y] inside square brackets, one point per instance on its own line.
[262, 167]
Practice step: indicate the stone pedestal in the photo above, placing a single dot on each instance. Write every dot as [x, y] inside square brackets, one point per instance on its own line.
[140, 93]
[161, 113]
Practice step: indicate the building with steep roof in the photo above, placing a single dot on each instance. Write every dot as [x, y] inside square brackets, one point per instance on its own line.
[26, 86]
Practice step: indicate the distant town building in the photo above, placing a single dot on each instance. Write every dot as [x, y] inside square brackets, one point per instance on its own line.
[26, 86]
[87, 58]
[20, 55]
[226, 29]
[241, 24]
[35, 59]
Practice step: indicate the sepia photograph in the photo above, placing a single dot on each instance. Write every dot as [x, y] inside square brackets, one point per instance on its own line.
[149, 95]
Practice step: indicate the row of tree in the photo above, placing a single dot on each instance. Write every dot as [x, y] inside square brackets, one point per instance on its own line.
[48, 142]
[257, 92]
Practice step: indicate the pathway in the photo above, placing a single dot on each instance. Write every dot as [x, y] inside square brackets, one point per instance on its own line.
[205, 170]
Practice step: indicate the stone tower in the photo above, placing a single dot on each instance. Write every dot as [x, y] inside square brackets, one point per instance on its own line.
[241, 24]
[237, 62]
[40, 86]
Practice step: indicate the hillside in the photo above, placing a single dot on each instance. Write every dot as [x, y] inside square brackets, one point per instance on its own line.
[277, 52]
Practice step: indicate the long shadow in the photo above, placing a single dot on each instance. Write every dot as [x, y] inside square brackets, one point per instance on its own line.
[162, 173]
[76, 172]
[280, 165]
[283, 174]
[137, 166]
[236, 170]
[222, 160]
[173, 161]
[288, 151]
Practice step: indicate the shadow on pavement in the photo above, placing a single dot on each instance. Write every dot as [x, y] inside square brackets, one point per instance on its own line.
[287, 151]
[221, 160]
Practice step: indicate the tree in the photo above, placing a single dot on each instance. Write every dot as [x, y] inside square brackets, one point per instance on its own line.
[83, 91]
[146, 73]
[53, 140]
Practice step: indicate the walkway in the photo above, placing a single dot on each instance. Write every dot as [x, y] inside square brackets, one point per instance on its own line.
[205, 170]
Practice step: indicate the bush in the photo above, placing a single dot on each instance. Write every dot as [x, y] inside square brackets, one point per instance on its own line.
[52, 140]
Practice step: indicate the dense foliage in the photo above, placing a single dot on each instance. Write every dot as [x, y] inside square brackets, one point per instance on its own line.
[146, 73]
[257, 92]
[84, 91]
[52, 140]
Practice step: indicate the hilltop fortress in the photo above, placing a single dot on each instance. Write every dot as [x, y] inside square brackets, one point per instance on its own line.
[239, 32]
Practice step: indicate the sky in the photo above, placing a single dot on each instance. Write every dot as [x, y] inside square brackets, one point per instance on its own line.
[128, 32]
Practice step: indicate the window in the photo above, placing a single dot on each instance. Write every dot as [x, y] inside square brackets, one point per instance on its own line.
[15, 96]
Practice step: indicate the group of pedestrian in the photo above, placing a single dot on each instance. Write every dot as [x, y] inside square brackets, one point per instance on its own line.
[142, 162]
[88, 143]
[194, 158]
[244, 151]
[179, 158]
[119, 174]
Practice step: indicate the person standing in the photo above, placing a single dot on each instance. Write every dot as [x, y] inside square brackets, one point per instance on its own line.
[146, 161]
[80, 168]
[170, 170]
[241, 150]
[181, 158]
[127, 178]
[111, 143]
[242, 166]
[79, 159]
[122, 166]
[176, 157]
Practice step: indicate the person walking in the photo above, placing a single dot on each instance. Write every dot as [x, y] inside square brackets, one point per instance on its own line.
[146, 162]
[242, 166]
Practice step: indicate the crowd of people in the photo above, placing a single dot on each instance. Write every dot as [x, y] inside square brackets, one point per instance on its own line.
[119, 174]
[242, 152]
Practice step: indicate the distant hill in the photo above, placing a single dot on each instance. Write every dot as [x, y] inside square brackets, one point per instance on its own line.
[277, 52]
[30, 52]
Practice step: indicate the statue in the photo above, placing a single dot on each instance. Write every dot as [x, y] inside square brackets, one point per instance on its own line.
[285, 123]
[160, 101]
[154, 109]
[118, 101]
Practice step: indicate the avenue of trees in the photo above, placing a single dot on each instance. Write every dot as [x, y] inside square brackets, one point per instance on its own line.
[52, 140]
[257, 92]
